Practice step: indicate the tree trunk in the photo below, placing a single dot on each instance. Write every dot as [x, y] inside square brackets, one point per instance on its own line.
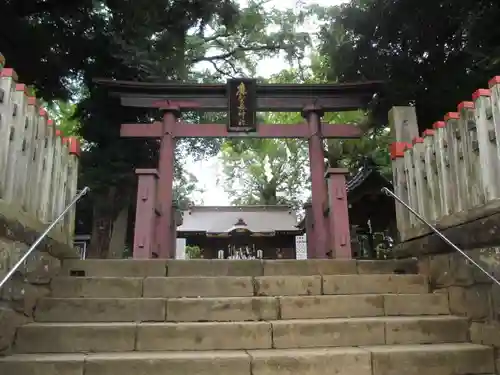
[119, 234]
[102, 224]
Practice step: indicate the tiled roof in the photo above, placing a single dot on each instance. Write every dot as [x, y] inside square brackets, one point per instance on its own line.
[364, 172]
[221, 219]
[358, 178]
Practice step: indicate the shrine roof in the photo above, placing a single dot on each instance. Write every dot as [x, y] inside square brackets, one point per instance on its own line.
[221, 219]
[363, 174]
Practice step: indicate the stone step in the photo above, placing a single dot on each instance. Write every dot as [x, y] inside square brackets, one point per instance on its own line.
[129, 363]
[311, 333]
[114, 267]
[217, 267]
[375, 284]
[440, 359]
[228, 286]
[437, 359]
[100, 310]
[284, 334]
[237, 308]
[362, 305]
[97, 287]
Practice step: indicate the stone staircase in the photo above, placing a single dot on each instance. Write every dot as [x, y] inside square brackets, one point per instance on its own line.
[154, 317]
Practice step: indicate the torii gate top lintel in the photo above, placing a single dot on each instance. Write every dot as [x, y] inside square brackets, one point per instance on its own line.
[333, 97]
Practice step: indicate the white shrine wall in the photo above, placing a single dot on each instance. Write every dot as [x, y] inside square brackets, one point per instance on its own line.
[180, 248]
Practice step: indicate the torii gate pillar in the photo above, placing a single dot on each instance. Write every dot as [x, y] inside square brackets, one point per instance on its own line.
[165, 230]
[155, 228]
[319, 195]
[338, 221]
[146, 218]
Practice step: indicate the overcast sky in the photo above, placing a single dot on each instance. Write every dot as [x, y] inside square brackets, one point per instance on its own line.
[207, 170]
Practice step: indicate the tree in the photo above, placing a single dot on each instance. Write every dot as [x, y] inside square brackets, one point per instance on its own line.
[64, 114]
[150, 54]
[433, 54]
[153, 54]
[265, 171]
[338, 152]
[215, 50]
[48, 42]
[70, 44]
[277, 171]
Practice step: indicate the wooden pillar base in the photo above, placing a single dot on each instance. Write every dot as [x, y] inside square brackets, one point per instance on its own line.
[145, 215]
[340, 237]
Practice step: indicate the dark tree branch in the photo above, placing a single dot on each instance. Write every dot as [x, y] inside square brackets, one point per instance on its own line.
[232, 53]
[219, 70]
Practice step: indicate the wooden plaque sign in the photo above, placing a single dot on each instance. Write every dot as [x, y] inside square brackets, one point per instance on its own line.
[242, 94]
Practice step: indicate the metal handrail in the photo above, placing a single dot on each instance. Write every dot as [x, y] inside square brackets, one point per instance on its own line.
[442, 236]
[84, 191]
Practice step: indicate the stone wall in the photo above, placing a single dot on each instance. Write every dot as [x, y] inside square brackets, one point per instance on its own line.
[471, 293]
[18, 297]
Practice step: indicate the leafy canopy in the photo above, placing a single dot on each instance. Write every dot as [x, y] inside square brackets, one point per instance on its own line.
[431, 53]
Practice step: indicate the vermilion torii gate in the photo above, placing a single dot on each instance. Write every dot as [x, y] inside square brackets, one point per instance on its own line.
[155, 228]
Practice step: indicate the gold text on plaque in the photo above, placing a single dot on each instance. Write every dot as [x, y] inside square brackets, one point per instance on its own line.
[241, 94]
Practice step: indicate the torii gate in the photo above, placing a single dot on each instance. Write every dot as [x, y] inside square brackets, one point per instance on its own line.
[155, 227]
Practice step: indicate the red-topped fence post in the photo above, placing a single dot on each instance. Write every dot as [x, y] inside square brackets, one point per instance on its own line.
[403, 124]
[451, 173]
[38, 166]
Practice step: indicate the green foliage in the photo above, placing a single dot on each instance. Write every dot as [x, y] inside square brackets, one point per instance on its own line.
[257, 33]
[72, 43]
[347, 153]
[193, 252]
[265, 171]
[64, 114]
[47, 41]
[432, 53]
[215, 49]
[184, 187]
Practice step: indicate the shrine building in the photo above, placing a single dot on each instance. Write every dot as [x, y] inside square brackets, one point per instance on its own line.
[241, 232]
[370, 210]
